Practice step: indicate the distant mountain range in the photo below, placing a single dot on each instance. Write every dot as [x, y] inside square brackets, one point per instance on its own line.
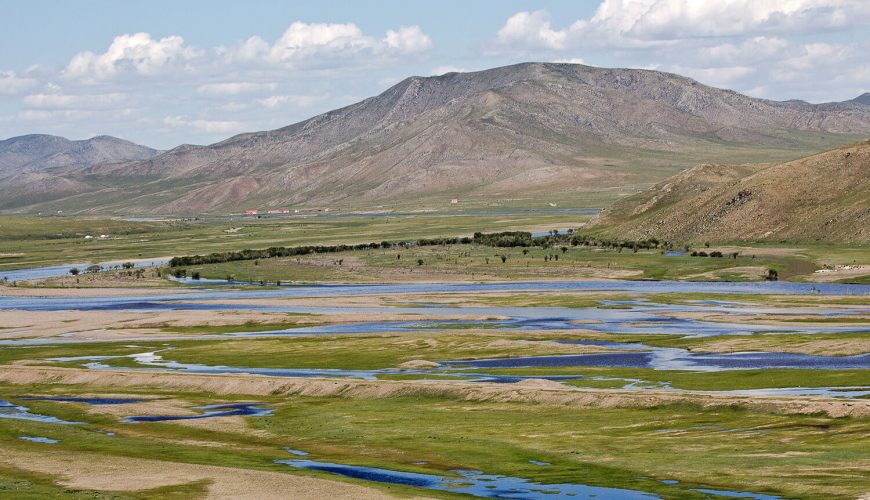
[33, 167]
[824, 197]
[38, 152]
[534, 131]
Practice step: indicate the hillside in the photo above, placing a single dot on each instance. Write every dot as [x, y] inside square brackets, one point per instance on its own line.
[529, 132]
[824, 197]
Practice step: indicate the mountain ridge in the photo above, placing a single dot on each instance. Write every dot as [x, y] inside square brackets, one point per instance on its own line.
[39, 152]
[530, 130]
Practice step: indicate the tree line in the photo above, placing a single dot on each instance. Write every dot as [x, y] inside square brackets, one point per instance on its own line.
[504, 239]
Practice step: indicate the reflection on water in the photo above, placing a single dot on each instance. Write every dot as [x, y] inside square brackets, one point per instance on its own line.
[36, 439]
[38, 273]
[13, 411]
[90, 401]
[474, 483]
[222, 410]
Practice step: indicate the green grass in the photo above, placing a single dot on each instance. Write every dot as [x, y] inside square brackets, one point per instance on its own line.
[348, 352]
[723, 448]
[39, 241]
[474, 262]
[249, 326]
[731, 380]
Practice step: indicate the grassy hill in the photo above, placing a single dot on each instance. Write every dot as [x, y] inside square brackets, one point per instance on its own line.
[823, 197]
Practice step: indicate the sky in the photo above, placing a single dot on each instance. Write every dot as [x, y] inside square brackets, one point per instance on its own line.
[165, 73]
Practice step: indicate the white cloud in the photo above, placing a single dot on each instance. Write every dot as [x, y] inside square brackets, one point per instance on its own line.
[320, 44]
[209, 126]
[407, 40]
[48, 116]
[572, 60]
[755, 49]
[11, 83]
[68, 101]
[441, 70]
[532, 30]
[300, 101]
[718, 76]
[137, 54]
[776, 48]
[642, 23]
[676, 19]
[235, 88]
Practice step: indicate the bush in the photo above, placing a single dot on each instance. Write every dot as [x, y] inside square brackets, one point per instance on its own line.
[74, 271]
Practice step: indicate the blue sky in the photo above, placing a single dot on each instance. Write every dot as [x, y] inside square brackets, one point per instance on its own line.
[164, 73]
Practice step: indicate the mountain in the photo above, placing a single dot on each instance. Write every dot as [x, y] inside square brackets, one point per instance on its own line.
[37, 152]
[824, 197]
[32, 167]
[528, 133]
[861, 99]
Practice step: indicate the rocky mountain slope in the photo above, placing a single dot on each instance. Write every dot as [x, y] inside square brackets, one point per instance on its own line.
[824, 197]
[528, 131]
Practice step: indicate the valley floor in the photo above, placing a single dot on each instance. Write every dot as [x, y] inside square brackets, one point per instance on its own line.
[462, 375]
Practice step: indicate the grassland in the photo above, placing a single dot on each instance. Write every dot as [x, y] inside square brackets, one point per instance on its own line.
[475, 263]
[421, 419]
[714, 448]
[39, 241]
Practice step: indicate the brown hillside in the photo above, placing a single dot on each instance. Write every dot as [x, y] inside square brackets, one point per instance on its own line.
[528, 131]
[825, 197]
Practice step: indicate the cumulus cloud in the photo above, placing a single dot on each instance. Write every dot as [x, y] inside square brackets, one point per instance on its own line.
[317, 44]
[235, 88]
[131, 54]
[632, 23]
[676, 19]
[532, 30]
[11, 83]
[407, 40]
